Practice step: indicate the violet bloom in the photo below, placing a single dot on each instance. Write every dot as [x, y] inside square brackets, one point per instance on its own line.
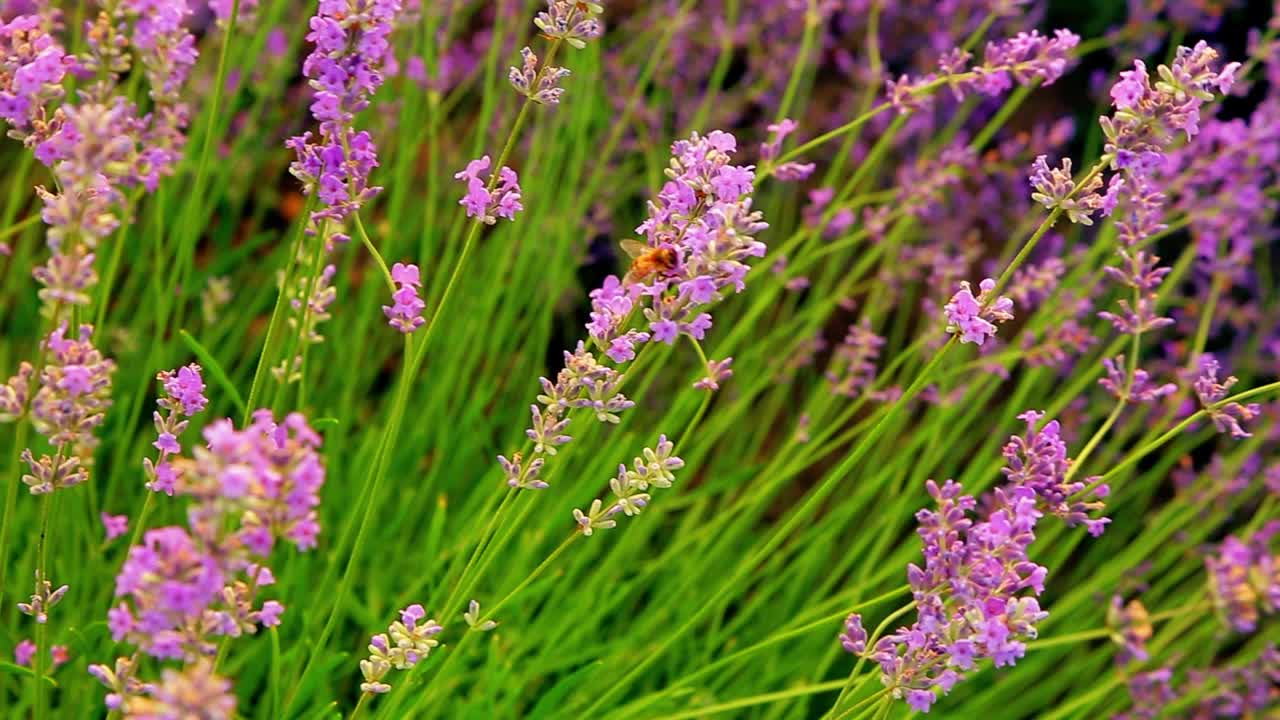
[43, 599]
[656, 468]
[23, 652]
[114, 525]
[488, 197]
[182, 397]
[1130, 626]
[584, 384]
[1244, 578]
[1024, 59]
[717, 372]
[771, 149]
[540, 85]
[193, 691]
[975, 318]
[571, 21]
[74, 395]
[345, 68]
[969, 594]
[268, 474]
[854, 637]
[1037, 460]
[120, 681]
[852, 370]
[405, 312]
[1141, 390]
[1055, 189]
[703, 215]
[1229, 416]
[407, 642]
[169, 582]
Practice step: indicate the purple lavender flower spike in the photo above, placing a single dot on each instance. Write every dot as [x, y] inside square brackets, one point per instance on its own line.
[405, 312]
[1226, 417]
[487, 204]
[407, 642]
[975, 318]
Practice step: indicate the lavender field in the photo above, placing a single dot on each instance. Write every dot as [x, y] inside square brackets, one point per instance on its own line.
[639, 360]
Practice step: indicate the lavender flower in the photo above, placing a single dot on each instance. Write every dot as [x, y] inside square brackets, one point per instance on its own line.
[975, 318]
[1226, 417]
[114, 525]
[1244, 579]
[1024, 58]
[717, 372]
[345, 69]
[120, 680]
[407, 642]
[1141, 390]
[496, 197]
[572, 21]
[23, 652]
[405, 314]
[1055, 190]
[1130, 626]
[854, 637]
[182, 397]
[703, 215]
[583, 384]
[74, 395]
[43, 599]
[1037, 460]
[853, 364]
[629, 487]
[193, 691]
[171, 582]
[770, 150]
[268, 474]
[540, 85]
[968, 594]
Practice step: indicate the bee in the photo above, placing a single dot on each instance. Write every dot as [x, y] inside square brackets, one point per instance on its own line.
[648, 261]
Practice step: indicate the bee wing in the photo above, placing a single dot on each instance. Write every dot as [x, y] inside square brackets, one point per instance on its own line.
[634, 248]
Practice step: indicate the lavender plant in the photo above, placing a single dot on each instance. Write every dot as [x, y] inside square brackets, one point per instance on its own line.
[279, 282]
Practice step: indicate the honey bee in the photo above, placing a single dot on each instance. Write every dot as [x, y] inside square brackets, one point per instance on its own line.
[648, 261]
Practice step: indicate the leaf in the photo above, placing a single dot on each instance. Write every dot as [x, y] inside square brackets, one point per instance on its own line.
[28, 672]
[552, 702]
[215, 370]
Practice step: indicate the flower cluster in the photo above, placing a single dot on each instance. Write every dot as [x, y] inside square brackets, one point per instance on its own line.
[584, 384]
[540, 85]
[74, 395]
[492, 198]
[1140, 389]
[405, 312]
[854, 637]
[25, 651]
[975, 318]
[1038, 460]
[407, 642]
[1130, 625]
[184, 586]
[183, 396]
[1055, 188]
[630, 487]
[268, 475]
[32, 66]
[42, 600]
[968, 595]
[1139, 134]
[770, 150]
[192, 692]
[1229, 416]
[572, 21]
[1025, 58]
[853, 364]
[701, 227]
[168, 52]
[345, 69]
[1244, 578]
